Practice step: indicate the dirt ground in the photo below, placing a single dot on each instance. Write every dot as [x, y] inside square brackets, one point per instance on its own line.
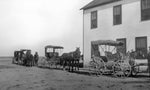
[15, 77]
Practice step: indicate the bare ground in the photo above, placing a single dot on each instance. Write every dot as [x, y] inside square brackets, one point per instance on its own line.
[15, 77]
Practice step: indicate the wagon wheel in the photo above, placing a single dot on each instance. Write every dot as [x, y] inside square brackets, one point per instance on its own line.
[19, 61]
[134, 71]
[42, 62]
[92, 67]
[99, 71]
[118, 70]
[55, 62]
[48, 63]
[127, 70]
[101, 67]
[121, 69]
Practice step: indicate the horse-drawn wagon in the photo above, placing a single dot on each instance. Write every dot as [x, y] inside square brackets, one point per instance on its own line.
[106, 59]
[52, 56]
[23, 57]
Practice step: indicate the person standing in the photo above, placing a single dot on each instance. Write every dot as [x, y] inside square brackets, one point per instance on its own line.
[29, 58]
[36, 58]
[148, 58]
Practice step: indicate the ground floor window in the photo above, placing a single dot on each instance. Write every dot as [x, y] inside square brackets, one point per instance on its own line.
[141, 47]
[122, 48]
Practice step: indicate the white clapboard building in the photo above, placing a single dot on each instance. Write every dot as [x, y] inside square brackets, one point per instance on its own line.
[124, 20]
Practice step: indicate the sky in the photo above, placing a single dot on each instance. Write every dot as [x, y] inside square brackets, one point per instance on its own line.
[33, 24]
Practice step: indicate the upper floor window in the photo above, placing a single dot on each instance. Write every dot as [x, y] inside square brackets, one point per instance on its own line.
[93, 19]
[117, 15]
[145, 10]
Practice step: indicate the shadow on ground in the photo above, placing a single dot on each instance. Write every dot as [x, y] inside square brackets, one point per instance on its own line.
[5, 67]
[131, 82]
[52, 68]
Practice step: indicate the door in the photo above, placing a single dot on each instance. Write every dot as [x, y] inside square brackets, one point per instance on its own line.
[122, 48]
[95, 50]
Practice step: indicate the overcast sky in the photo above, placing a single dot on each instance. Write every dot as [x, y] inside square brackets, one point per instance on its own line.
[34, 24]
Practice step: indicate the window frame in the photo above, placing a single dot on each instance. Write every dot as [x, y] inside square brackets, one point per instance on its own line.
[136, 49]
[114, 16]
[144, 11]
[95, 20]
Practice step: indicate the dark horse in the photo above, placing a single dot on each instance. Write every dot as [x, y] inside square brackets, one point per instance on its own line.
[71, 59]
[28, 59]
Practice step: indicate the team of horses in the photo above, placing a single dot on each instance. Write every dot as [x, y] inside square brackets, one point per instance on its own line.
[70, 60]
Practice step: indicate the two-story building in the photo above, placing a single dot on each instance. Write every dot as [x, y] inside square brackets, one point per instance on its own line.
[124, 20]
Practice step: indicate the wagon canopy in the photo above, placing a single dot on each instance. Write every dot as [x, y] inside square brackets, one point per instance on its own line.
[107, 42]
[55, 47]
[25, 50]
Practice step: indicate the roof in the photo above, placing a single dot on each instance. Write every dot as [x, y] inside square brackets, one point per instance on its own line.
[107, 42]
[16, 51]
[25, 50]
[96, 3]
[55, 47]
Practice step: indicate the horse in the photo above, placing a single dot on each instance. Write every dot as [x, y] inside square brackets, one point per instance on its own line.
[71, 59]
[28, 59]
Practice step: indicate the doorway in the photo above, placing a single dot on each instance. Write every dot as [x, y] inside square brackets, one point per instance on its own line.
[122, 48]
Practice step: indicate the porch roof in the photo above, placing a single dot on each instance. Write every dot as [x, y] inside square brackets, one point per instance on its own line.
[107, 42]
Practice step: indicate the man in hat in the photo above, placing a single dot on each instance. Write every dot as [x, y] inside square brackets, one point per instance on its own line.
[36, 58]
[148, 58]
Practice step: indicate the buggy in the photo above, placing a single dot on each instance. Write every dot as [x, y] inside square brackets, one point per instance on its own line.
[52, 56]
[106, 59]
[20, 57]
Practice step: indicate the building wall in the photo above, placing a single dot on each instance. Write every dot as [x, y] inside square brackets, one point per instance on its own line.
[131, 26]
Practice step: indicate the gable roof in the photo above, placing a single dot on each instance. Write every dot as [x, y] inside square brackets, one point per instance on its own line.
[96, 3]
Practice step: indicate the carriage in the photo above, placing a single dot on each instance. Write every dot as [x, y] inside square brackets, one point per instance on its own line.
[52, 56]
[20, 57]
[107, 59]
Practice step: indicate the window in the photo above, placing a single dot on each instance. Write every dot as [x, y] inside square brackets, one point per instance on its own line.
[93, 19]
[145, 10]
[141, 47]
[117, 15]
